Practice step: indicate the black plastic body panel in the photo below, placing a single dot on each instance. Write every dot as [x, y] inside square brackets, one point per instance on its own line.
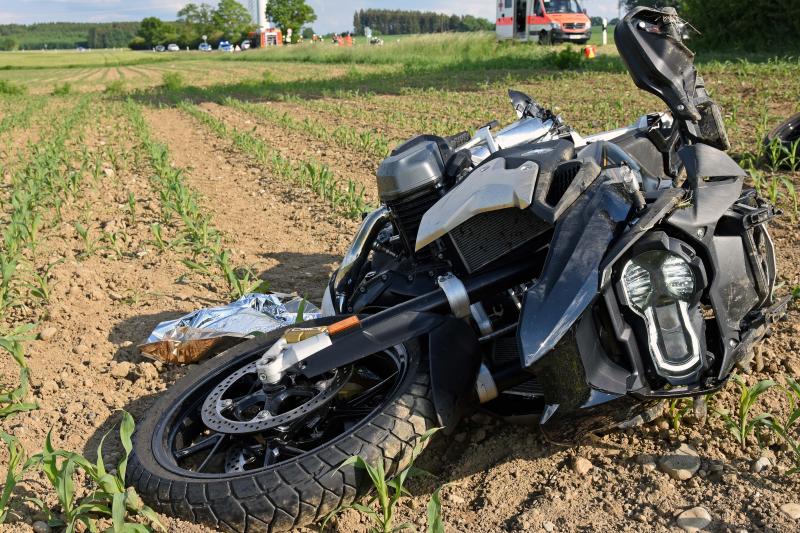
[640, 146]
[548, 155]
[575, 406]
[570, 280]
[455, 357]
[703, 161]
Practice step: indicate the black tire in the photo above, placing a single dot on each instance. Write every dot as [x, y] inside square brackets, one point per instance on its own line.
[297, 492]
[545, 38]
[787, 133]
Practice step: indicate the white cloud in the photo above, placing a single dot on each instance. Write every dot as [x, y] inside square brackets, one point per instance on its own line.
[332, 15]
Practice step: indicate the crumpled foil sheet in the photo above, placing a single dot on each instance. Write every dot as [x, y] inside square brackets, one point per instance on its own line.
[206, 332]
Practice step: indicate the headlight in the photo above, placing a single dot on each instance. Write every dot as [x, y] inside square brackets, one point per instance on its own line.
[659, 285]
[555, 25]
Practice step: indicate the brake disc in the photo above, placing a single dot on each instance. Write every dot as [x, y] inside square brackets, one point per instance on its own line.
[220, 412]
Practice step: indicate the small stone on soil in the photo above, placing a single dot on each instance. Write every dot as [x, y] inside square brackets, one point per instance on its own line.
[48, 333]
[49, 387]
[681, 464]
[456, 499]
[41, 527]
[761, 464]
[792, 510]
[694, 519]
[581, 466]
[647, 461]
[549, 526]
[80, 349]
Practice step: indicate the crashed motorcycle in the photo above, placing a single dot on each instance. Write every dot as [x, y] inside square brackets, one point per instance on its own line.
[531, 271]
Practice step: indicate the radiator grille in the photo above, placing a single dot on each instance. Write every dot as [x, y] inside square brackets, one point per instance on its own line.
[574, 25]
[562, 179]
[408, 214]
[506, 351]
[490, 236]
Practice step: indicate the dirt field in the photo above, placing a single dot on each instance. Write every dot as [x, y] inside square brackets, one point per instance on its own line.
[108, 289]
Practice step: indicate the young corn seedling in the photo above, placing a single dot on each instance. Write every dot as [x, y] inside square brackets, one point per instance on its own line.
[240, 281]
[774, 155]
[785, 428]
[39, 286]
[794, 446]
[158, 237]
[741, 424]
[90, 245]
[108, 496]
[18, 464]
[8, 290]
[115, 241]
[792, 159]
[677, 409]
[388, 491]
[132, 208]
[13, 401]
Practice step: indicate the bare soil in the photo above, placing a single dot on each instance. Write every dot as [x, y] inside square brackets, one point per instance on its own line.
[499, 477]
[299, 146]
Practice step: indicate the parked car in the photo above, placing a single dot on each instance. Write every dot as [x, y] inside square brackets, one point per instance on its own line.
[205, 47]
[246, 44]
[173, 47]
[225, 46]
[160, 48]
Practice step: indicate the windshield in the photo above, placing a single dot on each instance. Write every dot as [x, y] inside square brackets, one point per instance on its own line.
[563, 6]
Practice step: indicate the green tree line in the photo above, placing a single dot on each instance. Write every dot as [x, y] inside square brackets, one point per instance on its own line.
[738, 25]
[399, 22]
[65, 35]
[229, 21]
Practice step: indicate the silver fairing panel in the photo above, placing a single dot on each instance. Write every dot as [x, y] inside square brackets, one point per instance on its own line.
[489, 188]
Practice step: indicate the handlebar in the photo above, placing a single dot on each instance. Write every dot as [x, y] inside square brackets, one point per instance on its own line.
[454, 141]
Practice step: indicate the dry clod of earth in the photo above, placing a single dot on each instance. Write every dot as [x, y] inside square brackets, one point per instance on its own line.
[694, 519]
[681, 464]
[456, 499]
[792, 510]
[581, 466]
[48, 333]
[121, 370]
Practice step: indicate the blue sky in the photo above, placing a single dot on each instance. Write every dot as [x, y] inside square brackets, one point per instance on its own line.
[331, 15]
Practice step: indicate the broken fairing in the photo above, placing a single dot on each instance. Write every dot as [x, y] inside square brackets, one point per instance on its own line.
[194, 336]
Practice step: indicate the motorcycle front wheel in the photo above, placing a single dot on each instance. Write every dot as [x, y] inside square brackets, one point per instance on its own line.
[220, 450]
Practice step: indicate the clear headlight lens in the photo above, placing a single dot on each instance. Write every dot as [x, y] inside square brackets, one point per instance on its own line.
[658, 285]
[637, 285]
[678, 277]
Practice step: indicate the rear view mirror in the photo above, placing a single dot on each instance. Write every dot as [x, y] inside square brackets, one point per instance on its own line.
[650, 43]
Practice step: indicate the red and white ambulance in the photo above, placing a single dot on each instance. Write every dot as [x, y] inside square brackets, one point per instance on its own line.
[545, 21]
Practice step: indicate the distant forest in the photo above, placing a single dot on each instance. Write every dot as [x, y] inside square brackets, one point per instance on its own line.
[66, 35]
[401, 22]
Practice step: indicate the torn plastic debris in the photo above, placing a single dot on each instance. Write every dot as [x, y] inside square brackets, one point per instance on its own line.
[209, 331]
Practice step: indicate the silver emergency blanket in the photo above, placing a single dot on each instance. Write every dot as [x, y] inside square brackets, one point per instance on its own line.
[207, 331]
